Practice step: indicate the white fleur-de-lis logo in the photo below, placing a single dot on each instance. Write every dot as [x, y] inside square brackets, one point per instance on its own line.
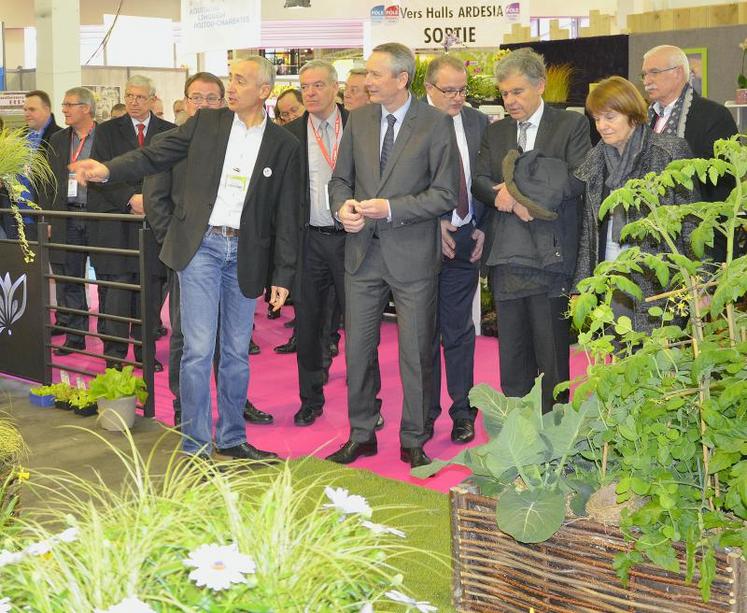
[10, 308]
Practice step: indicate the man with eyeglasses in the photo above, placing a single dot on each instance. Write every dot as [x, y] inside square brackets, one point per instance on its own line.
[241, 189]
[677, 109]
[66, 146]
[461, 245]
[289, 106]
[530, 263]
[132, 131]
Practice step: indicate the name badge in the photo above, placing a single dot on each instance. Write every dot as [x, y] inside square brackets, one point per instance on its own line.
[72, 187]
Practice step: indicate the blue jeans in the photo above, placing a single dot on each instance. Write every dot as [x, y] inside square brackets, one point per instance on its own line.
[208, 283]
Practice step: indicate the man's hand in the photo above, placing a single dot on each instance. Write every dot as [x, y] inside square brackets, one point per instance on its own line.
[448, 245]
[278, 296]
[479, 237]
[375, 208]
[350, 218]
[89, 170]
[522, 212]
[504, 201]
[136, 205]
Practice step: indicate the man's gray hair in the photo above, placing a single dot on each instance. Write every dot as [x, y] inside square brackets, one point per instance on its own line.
[138, 80]
[323, 64]
[441, 61]
[265, 69]
[403, 59]
[524, 61]
[360, 72]
[675, 57]
[85, 96]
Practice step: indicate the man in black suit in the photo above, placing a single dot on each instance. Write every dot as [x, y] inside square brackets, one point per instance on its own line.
[241, 188]
[677, 109]
[66, 146]
[115, 137]
[461, 243]
[321, 266]
[530, 284]
[396, 174]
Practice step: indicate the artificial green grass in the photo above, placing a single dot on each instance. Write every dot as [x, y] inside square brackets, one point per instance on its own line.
[423, 514]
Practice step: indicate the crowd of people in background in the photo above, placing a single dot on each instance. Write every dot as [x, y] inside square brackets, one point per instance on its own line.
[346, 202]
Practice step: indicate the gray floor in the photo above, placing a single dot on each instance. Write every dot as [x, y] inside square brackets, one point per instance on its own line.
[55, 441]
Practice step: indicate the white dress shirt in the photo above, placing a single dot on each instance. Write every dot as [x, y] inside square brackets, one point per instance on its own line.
[320, 171]
[534, 122]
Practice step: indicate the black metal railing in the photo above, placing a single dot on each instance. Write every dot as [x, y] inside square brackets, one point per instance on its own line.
[144, 253]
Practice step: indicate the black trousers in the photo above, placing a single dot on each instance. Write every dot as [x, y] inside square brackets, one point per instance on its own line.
[323, 268]
[455, 329]
[533, 338]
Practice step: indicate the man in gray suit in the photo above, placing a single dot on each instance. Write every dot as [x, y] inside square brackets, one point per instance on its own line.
[396, 173]
[461, 243]
[530, 284]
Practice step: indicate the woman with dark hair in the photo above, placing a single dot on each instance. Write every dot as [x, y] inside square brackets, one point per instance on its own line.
[628, 149]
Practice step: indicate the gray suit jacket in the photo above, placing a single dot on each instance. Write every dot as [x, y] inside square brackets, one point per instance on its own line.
[421, 182]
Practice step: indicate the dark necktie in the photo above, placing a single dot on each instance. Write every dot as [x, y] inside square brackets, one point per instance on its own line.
[654, 120]
[140, 134]
[522, 140]
[463, 201]
[388, 145]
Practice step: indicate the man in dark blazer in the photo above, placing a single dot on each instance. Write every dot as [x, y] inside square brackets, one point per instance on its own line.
[677, 109]
[396, 174]
[66, 146]
[530, 288]
[114, 137]
[461, 243]
[322, 249]
[241, 188]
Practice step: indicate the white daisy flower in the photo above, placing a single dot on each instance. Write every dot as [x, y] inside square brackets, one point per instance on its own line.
[68, 536]
[40, 548]
[5, 605]
[419, 605]
[367, 608]
[344, 502]
[218, 566]
[128, 605]
[382, 529]
[10, 557]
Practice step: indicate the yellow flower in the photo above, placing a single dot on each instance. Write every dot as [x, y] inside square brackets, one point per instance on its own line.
[23, 475]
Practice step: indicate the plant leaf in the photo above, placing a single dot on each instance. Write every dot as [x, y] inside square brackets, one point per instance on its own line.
[530, 516]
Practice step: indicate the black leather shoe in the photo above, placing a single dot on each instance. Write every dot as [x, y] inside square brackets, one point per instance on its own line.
[254, 349]
[67, 349]
[379, 423]
[289, 347]
[157, 366]
[245, 451]
[351, 451]
[272, 313]
[254, 416]
[414, 456]
[306, 416]
[463, 431]
[334, 350]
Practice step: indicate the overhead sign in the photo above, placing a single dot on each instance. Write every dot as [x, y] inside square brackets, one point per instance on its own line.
[214, 25]
[426, 24]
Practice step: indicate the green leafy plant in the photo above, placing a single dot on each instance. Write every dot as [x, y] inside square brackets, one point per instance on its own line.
[42, 390]
[113, 384]
[19, 158]
[81, 399]
[62, 391]
[675, 401]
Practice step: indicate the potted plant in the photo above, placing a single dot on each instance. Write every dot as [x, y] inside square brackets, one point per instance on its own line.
[62, 393]
[117, 392]
[42, 396]
[741, 97]
[83, 403]
[656, 431]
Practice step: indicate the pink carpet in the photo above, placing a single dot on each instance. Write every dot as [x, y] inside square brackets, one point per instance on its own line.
[273, 387]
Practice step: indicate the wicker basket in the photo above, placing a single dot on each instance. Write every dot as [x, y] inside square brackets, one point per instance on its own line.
[571, 572]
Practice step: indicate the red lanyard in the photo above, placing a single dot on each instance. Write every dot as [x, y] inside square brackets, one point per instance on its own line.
[74, 156]
[330, 160]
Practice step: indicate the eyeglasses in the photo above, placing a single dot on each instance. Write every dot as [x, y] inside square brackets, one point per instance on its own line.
[450, 92]
[138, 97]
[67, 105]
[293, 112]
[200, 99]
[654, 72]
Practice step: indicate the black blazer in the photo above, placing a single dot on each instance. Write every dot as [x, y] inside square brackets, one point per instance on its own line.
[271, 205]
[113, 138]
[508, 240]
